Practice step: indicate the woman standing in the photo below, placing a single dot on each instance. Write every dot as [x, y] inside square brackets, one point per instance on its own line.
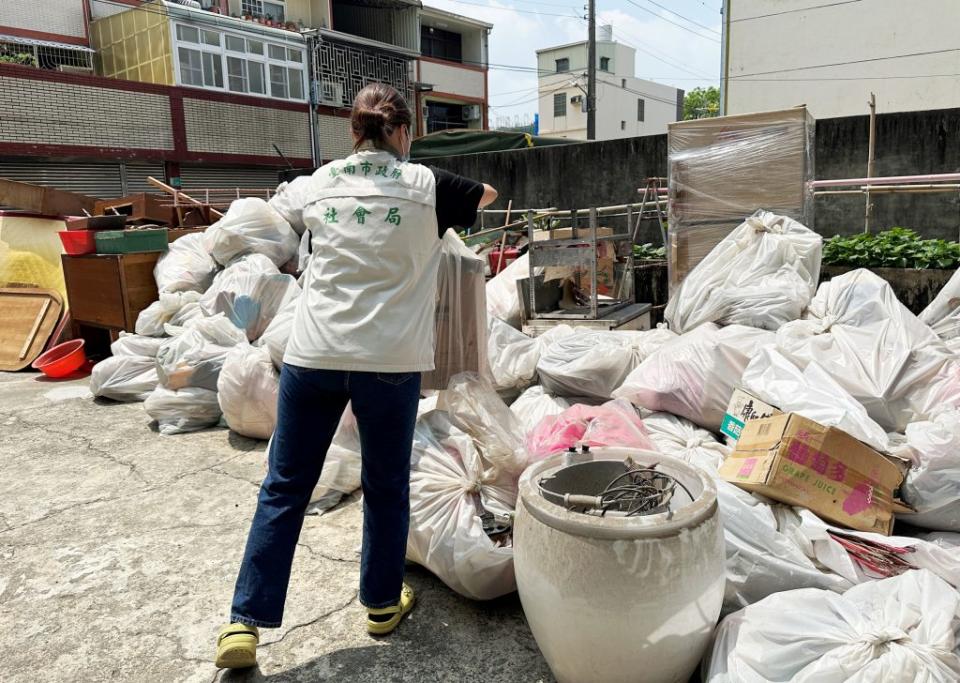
[363, 332]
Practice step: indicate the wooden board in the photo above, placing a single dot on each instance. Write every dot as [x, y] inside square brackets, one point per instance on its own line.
[47, 201]
[110, 290]
[29, 316]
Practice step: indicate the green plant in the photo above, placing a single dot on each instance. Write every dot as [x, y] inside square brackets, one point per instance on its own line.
[24, 58]
[894, 248]
[649, 252]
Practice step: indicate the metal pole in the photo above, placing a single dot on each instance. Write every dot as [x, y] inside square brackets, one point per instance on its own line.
[315, 155]
[868, 206]
[593, 261]
[592, 70]
[533, 268]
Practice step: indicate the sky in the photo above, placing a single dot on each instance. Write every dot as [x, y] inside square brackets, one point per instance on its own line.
[671, 47]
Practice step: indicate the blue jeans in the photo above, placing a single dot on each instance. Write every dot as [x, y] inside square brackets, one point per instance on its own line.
[310, 406]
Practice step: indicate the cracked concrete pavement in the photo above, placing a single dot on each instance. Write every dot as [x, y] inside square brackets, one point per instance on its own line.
[119, 548]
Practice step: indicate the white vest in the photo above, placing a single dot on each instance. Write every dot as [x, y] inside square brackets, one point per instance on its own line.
[369, 292]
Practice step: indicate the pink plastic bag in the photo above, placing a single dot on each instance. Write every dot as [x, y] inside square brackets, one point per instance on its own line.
[615, 423]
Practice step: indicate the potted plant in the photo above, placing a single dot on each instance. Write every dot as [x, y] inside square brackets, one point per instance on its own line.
[269, 21]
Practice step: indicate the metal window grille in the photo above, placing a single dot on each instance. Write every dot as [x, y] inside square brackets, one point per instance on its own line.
[44, 55]
[352, 68]
[640, 105]
[563, 65]
[560, 104]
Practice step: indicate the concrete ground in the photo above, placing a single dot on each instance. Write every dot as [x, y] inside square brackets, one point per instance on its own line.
[119, 549]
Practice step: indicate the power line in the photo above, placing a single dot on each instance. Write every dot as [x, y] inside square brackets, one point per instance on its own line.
[670, 21]
[798, 9]
[855, 61]
[513, 9]
[656, 98]
[665, 61]
[677, 14]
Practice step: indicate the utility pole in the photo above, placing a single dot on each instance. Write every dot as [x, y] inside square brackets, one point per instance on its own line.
[592, 70]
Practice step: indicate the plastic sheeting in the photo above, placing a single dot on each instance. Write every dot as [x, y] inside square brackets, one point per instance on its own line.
[184, 410]
[251, 226]
[534, 404]
[875, 348]
[247, 388]
[682, 439]
[151, 320]
[899, 629]
[341, 468]
[186, 266]
[932, 487]
[615, 423]
[277, 334]
[250, 295]
[514, 356]
[136, 345]
[695, 375]
[763, 274]
[124, 378]
[195, 357]
[593, 364]
[503, 298]
[812, 393]
[943, 313]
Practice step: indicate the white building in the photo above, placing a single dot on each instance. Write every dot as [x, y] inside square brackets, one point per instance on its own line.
[831, 56]
[626, 106]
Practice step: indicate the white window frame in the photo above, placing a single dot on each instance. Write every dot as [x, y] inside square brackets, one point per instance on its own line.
[256, 7]
[264, 60]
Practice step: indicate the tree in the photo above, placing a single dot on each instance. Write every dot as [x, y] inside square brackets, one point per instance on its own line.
[701, 103]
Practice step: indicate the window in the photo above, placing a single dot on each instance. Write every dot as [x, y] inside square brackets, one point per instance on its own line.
[275, 9]
[440, 44]
[560, 104]
[623, 82]
[604, 64]
[278, 53]
[237, 74]
[255, 47]
[188, 34]
[256, 78]
[563, 65]
[191, 67]
[278, 82]
[235, 44]
[623, 125]
[640, 104]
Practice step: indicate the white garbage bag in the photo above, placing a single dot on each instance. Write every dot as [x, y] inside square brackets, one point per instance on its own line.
[251, 226]
[194, 358]
[762, 274]
[875, 348]
[151, 320]
[124, 378]
[136, 345]
[451, 484]
[695, 375]
[342, 467]
[900, 629]
[534, 404]
[247, 389]
[593, 364]
[181, 319]
[186, 266]
[514, 356]
[932, 486]
[682, 439]
[476, 409]
[277, 334]
[943, 313]
[289, 200]
[184, 410]
[503, 299]
[812, 393]
[249, 297]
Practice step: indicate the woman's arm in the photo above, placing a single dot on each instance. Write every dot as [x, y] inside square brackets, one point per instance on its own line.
[489, 196]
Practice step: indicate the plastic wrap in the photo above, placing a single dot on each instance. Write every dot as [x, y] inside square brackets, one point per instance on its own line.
[722, 169]
[763, 274]
[247, 388]
[943, 313]
[124, 378]
[503, 298]
[875, 348]
[461, 321]
[682, 439]
[615, 423]
[451, 484]
[899, 629]
[289, 200]
[277, 334]
[250, 295]
[593, 364]
[195, 357]
[533, 405]
[695, 375]
[186, 266]
[136, 345]
[514, 356]
[184, 410]
[251, 226]
[932, 487]
[812, 393]
[151, 320]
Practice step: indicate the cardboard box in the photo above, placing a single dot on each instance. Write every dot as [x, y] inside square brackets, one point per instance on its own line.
[567, 233]
[742, 408]
[795, 460]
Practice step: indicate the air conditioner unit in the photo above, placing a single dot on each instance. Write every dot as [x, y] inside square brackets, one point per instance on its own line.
[576, 99]
[331, 93]
[471, 112]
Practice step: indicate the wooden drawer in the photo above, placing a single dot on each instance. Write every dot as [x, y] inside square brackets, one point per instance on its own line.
[110, 290]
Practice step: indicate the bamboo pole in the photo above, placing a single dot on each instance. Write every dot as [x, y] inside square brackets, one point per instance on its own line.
[503, 240]
[868, 205]
[180, 195]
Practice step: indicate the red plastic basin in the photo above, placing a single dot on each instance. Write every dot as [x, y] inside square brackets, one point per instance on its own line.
[78, 242]
[510, 254]
[62, 359]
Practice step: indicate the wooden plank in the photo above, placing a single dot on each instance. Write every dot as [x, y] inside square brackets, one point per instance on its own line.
[40, 199]
[139, 285]
[93, 289]
[29, 316]
[33, 330]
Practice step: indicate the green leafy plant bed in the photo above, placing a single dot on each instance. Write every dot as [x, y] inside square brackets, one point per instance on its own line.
[894, 248]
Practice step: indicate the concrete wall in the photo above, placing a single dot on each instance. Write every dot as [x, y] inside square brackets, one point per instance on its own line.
[773, 60]
[229, 128]
[453, 80]
[609, 172]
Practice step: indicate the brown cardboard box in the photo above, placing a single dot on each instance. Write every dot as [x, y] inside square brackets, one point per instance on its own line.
[567, 233]
[795, 460]
[742, 408]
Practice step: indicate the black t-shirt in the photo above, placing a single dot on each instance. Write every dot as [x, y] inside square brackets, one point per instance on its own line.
[457, 200]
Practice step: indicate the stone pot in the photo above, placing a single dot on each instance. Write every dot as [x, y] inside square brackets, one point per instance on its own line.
[619, 599]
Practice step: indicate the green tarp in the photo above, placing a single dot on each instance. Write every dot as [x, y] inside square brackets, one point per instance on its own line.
[448, 143]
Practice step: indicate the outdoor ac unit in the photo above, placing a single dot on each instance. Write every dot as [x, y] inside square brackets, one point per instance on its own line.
[331, 93]
[471, 112]
[576, 99]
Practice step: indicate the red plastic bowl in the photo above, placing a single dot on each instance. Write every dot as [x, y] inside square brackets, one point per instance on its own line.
[78, 242]
[62, 359]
